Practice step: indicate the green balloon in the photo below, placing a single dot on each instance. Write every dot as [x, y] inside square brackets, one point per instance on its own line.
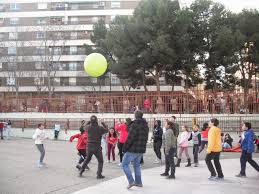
[95, 64]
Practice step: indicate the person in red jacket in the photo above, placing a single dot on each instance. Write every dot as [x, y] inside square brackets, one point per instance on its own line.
[111, 141]
[81, 145]
[204, 136]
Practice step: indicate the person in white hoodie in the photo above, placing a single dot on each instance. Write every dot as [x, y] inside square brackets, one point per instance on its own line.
[183, 146]
[39, 136]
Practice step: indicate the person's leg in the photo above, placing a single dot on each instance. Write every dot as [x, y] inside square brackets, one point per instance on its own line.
[243, 163]
[252, 162]
[2, 135]
[196, 152]
[137, 170]
[99, 156]
[127, 158]
[155, 148]
[86, 161]
[167, 165]
[42, 152]
[186, 153]
[120, 146]
[171, 162]
[109, 151]
[159, 145]
[208, 159]
[113, 153]
[180, 152]
[82, 154]
[217, 165]
[203, 143]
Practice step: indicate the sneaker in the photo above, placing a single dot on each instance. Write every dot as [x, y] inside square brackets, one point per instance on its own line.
[108, 161]
[87, 168]
[171, 177]
[100, 177]
[78, 167]
[131, 185]
[113, 161]
[196, 165]
[138, 185]
[219, 178]
[164, 174]
[120, 164]
[241, 175]
[212, 178]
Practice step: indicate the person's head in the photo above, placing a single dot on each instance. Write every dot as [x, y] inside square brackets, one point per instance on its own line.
[40, 126]
[128, 121]
[138, 114]
[246, 126]
[158, 123]
[185, 128]
[214, 122]
[205, 126]
[170, 125]
[227, 135]
[93, 120]
[196, 127]
[173, 119]
[112, 132]
[81, 129]
[222, 134]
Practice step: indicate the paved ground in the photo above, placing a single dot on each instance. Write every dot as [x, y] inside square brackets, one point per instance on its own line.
[19, 172]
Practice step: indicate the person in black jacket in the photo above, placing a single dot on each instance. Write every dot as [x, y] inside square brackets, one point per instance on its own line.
[157, 140]
[95, 133]
[134, 148]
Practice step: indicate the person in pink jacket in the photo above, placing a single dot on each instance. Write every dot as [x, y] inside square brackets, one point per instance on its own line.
[183, 146]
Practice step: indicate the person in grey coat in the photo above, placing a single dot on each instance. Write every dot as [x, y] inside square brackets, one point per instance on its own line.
[170, 141]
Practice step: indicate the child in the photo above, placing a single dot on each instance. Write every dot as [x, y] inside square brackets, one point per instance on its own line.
[111, 142]
[196, 138]
[39, 136]
[81, 145]
[204, 136]
[170, 141]
[183, 144]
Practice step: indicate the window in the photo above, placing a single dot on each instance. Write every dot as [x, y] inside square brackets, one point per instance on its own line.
[39, 65]
[74, 6]
[1, 65]
[64, 81]
[56, 20]
[73, 35]
[14, 21]
[40, 35]
[1, 36]
[72, 81]
[42, 5]
[15, 7]
[41, 21]
[57, 51]
[62, 67]
[115, 80]
[38, 81]
[60, 6]
[1, 21]
[74, 20]
[40, 50]
[113, 17]
[12, 51]
[73, 50]
[93, 80]
[10, 81]
[56, 81]
[13, 35]
[115, 4]
[72, 66]
[65, 20]
[1, 7]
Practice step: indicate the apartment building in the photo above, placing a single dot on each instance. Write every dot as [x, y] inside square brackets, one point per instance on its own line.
[42, 44]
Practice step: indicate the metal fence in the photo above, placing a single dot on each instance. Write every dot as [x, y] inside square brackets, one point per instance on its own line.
[149, 102]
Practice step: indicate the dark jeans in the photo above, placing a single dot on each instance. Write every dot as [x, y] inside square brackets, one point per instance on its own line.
[157, 148]
[111, 149]
[214, 156]
[1, 131]
[82, 154]
[203, 143]
[42, 151]
[56, 134]
[195, 153]
[120, 146]
[247, 157]
[169, 161]
[97, 151]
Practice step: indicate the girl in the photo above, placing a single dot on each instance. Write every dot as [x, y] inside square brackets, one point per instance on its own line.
[227, 141]
[39, 136]
[170, 141]
[111, 140]
[157, 140]
[204, 136]
[81, 145]
[183, 144]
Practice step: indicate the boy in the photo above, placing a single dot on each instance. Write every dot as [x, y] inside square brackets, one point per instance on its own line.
[247, 146]
[196, 138]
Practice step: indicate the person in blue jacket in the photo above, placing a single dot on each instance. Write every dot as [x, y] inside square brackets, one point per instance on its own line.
[247, 145]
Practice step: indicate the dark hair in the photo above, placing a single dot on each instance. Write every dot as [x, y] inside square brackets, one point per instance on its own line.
[205, 126]
[197, 125]
[173, 117]
[138, 114]
[186, 127]
[222, 134]
[172, 126]
[81, 129]
[248, 125]
[39, 125]
[114, 134]
[215, 122]
[93, 120]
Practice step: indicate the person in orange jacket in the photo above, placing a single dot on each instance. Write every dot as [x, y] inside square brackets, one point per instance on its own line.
[81, 145]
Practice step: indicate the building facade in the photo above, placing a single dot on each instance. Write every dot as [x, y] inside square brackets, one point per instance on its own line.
[42, 44]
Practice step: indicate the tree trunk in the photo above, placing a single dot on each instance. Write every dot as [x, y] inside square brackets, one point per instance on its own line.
[144, 81]
[157, 84]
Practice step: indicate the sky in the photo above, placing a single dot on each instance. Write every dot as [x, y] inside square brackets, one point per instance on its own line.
[232, 5]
